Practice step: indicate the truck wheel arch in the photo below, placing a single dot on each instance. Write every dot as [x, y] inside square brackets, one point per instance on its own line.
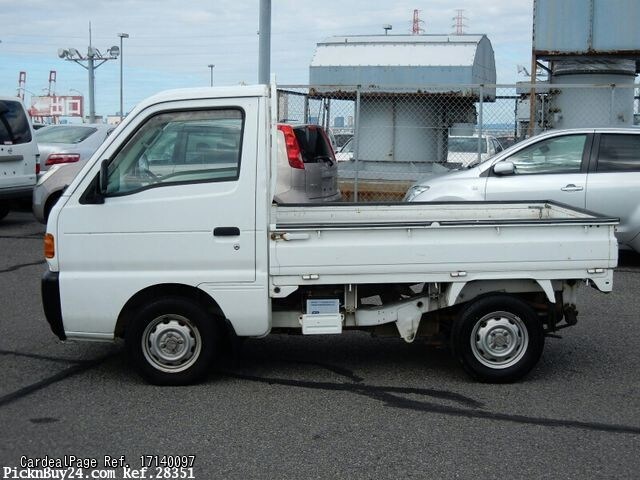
[147, 295]
[465, 291]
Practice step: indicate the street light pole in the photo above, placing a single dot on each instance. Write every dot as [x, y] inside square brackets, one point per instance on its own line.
[264, 42]
[92, 78]
[211, 65]
[93, 55]
[121, 35]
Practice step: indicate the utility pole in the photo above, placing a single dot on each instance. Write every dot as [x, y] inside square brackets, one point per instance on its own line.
[264, 46]
[93, 56]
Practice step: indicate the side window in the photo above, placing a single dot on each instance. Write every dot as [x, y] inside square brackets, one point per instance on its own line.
[555, 155]
[14, 125]
[619, 153]
[179, 147]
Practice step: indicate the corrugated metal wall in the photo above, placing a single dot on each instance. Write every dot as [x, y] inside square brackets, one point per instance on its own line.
[586, 26]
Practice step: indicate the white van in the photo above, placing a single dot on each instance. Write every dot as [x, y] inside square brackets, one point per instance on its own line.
[18, 154]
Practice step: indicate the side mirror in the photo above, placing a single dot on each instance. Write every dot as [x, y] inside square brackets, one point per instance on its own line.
[504, 168]
[104, 177]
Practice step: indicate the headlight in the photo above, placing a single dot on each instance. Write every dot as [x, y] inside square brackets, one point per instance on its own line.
[415, 191]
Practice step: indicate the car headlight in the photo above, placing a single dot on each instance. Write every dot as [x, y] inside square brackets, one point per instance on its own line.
[415, 191]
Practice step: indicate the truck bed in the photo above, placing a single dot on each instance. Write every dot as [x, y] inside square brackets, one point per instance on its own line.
[436, 242]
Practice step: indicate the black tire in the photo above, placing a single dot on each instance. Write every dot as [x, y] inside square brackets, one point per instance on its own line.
[172, 341]
[4, 209]
[498, 339]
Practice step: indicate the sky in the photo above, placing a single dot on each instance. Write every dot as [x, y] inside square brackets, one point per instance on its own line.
[172, 42]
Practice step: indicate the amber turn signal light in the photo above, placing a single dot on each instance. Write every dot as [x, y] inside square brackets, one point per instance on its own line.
[49, 246]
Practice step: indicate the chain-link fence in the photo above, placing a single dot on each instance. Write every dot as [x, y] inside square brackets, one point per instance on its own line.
[387, 140]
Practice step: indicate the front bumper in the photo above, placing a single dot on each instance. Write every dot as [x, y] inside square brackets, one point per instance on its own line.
[51, 303]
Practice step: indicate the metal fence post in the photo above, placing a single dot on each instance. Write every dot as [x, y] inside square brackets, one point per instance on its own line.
[480, 120]
[356, 144]
[612, 105]
[306, 109]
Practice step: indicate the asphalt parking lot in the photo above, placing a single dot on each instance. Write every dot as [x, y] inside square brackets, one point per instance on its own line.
[325, 407]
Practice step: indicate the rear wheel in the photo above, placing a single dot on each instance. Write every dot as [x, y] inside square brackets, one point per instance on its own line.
[172, 341]
[498, 339]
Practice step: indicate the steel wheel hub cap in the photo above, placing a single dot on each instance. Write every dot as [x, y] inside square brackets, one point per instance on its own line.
[499, 340]
[171, 343]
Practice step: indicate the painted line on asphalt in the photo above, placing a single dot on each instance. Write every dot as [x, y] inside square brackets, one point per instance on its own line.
[386, 395]
[22, 265]
[64, 374]
[42, 357]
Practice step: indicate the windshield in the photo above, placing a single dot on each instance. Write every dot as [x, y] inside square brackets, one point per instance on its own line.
[14, 125]
[64, 134]
[466, 145]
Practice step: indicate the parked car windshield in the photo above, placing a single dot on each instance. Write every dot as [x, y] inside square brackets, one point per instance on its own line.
[14, 125]
[64, 134]
[466, 145]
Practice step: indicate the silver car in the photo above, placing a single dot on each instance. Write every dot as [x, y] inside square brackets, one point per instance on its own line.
[594, 169]
[307, 166]
[64, 149]
[60, 144]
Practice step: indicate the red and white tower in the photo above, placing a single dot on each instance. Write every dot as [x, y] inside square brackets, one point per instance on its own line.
[416, 28]
[459, 22]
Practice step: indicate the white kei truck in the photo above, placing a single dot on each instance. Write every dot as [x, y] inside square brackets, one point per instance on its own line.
[169, 238]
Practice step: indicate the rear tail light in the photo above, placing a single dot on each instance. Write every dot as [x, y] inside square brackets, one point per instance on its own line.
[56, 158]
[37, 168]
[294, 155]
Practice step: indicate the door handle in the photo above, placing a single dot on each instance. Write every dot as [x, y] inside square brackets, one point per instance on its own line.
[226, 232]
[572, 188]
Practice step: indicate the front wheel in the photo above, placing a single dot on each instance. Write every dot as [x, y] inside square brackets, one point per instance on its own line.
[172, 341]
[498, 339]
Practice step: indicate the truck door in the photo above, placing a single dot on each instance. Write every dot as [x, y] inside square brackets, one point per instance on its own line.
[179, 209]
[551, 169]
